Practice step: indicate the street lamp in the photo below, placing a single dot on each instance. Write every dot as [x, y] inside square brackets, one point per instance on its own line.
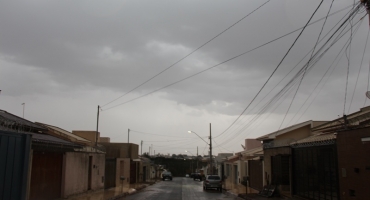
[192, 161]
[210, 146]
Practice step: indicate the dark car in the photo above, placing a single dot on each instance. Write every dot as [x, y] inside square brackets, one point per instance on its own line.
[197, 176]
[213, 181]
[167, 175]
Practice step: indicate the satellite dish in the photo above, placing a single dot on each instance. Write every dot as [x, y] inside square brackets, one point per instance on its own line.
[368, 94]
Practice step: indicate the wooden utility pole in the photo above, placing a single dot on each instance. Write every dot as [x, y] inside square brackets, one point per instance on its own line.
[197, 159]
[141, 147]
[128, 136]
[210, 149]
[97, 127]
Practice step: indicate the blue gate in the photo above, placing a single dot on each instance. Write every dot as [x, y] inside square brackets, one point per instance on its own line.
[14, 163]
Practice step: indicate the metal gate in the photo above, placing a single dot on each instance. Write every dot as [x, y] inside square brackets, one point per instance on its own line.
[144, 174]
[132, 172]
[280, 174]
[46, 175]
[255, 174]
[315, 172]
[110, 173]
[14, 163]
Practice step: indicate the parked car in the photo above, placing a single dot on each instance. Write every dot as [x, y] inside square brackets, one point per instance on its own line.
[187, 175]
[192, 175]
[167, 175]
[213, 181]
[197, 176]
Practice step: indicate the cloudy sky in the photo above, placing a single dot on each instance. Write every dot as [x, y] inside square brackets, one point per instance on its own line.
[64, 58]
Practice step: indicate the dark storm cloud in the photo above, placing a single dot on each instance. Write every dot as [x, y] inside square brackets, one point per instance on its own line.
[116, 46]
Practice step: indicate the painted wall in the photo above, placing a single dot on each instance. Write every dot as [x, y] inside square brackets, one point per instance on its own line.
[353, 164]
[88, 135]
[121, 150]
[294, 135]
[123, 169]
[251, 144]
[104, 139]
[268, 153]
[75, 172]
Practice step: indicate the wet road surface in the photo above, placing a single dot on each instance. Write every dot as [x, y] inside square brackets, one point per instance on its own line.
[179, 188]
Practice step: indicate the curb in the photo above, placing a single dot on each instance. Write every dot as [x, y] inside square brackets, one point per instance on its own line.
[130, 193]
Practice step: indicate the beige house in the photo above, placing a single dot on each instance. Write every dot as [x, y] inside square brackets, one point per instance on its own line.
[83, 168]
[122, 164]
[333, 162]
[277, 154]
[236, 167]
[146, 173]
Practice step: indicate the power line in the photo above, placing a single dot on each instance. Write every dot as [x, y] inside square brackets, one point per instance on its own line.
[284, 90]
[305, 68]
[277, 67]
[292, 70]
[368, 75]
[181, 80]
[204, 44]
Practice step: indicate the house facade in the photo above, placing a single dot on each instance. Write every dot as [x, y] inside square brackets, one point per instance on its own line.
[277, 156]
[122, 164]
[83, 168]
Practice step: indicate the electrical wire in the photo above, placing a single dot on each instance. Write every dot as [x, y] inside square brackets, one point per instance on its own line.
[305, 68]
[176, 82]
[204, 44]
[277, 67]
[276, 85]
[338, 37]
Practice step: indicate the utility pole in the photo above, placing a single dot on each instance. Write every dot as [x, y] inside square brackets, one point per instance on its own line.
[210, 148]
[97, 127]
[128, 136]
[197, 159]
[24, 105]
[141, 147]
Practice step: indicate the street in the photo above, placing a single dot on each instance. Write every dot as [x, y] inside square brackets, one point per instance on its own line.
[179, 188]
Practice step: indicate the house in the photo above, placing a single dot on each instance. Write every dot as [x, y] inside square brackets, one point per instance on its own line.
[277, 158]
[333, 162]
[219, 162]
[121, 164]
[145, 171]
[46, 157]
[15, 152]
[83, 168]
[237, 166]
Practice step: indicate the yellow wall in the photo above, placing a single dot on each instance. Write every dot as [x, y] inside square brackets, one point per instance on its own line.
[88, 135]
[75, 172]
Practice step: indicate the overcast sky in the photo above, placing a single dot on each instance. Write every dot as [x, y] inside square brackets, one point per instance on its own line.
[64, 58]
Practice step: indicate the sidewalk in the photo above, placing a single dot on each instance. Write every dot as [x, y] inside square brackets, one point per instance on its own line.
[258, 197]
[112, 193]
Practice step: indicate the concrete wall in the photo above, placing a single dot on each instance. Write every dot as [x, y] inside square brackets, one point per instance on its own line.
[121, 150]
[141, 171]
[252, 144]
[229, 183]
[104, 139]
[353, 164]
[76, 169]
[88, 135]
[267, 159]
[294, 135]
[123, 169]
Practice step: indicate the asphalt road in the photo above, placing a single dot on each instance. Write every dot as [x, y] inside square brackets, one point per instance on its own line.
[178, 189]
